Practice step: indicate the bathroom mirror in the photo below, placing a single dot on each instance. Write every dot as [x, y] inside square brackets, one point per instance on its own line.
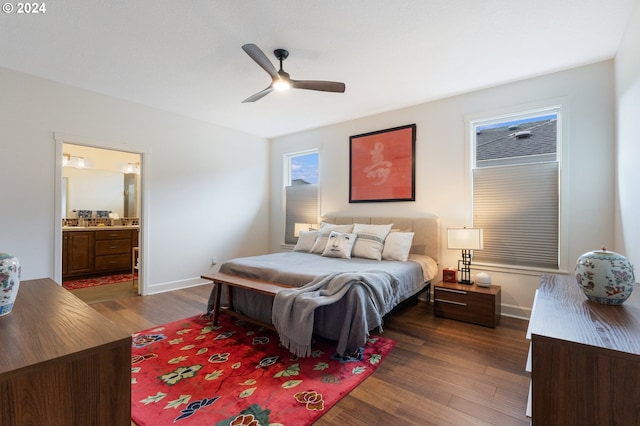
[97, 179]
[89, 189]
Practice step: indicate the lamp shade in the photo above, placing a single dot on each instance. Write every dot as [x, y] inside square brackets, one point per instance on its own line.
[464, 238]
[303, 227]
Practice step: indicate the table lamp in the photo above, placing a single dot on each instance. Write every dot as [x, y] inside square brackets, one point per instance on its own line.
[466, 239]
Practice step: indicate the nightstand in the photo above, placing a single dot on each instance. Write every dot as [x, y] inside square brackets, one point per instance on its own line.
[470, 303]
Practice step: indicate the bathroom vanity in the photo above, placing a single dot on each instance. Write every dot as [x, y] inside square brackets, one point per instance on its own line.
[93, 250]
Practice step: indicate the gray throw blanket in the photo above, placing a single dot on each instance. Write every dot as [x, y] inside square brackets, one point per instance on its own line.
[293, 309]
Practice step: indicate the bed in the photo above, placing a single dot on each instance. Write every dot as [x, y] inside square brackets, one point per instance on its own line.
[348, 318]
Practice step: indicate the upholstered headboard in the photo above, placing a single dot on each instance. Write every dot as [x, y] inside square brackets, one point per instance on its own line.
[426, 228]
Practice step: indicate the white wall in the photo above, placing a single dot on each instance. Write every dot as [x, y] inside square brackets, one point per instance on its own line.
[628, 142]
[441, 171]
[206, 195]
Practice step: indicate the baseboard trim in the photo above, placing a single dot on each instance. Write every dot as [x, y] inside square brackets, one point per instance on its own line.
[514, 311]
[175, 285]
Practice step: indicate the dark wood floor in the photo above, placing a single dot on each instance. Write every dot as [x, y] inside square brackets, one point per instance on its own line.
[103, 293]
[441, 372]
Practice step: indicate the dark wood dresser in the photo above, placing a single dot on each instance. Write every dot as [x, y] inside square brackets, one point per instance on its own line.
[584, 357]
[61, 362]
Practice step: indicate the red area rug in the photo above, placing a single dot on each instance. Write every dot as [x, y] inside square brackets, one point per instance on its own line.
[191, 373]
[96, 281]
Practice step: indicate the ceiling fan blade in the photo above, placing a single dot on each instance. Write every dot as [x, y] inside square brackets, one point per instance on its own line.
[259, 95]
[261, 59]
[322, 86]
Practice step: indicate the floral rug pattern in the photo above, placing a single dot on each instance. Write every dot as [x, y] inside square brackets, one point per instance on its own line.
[191, 373]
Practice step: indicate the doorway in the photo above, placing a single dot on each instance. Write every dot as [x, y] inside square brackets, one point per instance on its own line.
[99, 228]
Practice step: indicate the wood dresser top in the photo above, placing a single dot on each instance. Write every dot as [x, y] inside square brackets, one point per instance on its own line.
[561, 311]
[48, 323]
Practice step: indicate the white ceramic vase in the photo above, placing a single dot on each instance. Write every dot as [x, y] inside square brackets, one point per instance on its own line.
[9, 282]
[605, 276]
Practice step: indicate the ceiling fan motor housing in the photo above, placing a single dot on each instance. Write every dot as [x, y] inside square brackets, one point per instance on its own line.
[281, 54]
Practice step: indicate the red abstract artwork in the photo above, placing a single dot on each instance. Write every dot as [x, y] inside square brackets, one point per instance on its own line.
[382, 165]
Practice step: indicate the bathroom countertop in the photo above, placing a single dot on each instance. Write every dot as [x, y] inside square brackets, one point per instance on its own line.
[99, 228]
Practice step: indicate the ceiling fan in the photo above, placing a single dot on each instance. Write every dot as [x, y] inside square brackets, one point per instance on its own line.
[280, 79]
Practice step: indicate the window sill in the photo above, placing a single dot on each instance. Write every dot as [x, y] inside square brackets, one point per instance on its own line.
[520, 270]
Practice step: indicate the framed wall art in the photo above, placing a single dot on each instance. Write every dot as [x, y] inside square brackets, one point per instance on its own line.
[382, 165]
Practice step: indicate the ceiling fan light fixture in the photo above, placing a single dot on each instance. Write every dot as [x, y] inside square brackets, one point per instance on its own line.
[281, 85]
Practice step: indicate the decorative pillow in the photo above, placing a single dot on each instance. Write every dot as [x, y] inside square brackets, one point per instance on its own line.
[397, 246]
[370, 241]
[339, 245]
[305, 241]
[323, 235]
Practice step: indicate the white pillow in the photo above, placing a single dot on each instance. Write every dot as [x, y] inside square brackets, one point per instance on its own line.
[339, 245]
[397, 246]
[323, 235]
[305, 241]
[370, 241]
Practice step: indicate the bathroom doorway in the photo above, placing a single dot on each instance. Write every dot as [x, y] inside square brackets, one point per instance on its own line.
[100, 207]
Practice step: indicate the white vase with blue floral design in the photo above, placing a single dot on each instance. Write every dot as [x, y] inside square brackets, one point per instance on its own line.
[605, 276]
[9, 282]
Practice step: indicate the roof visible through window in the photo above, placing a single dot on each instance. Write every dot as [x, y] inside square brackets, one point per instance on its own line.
[530, 137]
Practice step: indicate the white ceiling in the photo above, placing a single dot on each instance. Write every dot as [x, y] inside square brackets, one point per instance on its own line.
[185, 56]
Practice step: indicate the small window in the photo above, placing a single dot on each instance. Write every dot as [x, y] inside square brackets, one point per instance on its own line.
[515, 184]
[301, 193]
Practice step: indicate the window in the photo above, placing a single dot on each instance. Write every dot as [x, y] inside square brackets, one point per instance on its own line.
[515, 183]
[301, 192]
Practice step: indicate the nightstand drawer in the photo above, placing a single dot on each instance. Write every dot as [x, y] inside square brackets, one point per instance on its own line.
[478, 305]
[461, 311]
[464, 297]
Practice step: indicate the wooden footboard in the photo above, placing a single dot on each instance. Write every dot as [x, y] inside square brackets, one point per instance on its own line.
[251, 284]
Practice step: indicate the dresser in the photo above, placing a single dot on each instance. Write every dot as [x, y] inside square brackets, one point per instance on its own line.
[470, 303]
[584, 357]
[61, 362]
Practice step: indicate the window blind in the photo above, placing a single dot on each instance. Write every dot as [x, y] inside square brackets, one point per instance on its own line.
[517, 208]
[301, 206]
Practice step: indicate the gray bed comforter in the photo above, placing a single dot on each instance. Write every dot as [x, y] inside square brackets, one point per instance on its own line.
[299, 268]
